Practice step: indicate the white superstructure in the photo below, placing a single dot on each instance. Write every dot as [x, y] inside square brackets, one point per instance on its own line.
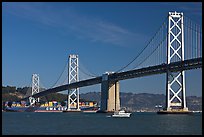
[121, 113]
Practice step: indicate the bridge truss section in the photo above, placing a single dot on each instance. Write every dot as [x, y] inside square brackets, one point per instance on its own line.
[73, 76]
[35, 89]
[175, 81]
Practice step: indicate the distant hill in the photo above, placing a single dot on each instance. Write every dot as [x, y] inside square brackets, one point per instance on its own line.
[130, 101]
[144, 101]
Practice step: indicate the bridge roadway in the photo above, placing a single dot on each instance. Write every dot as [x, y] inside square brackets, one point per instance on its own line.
[151, 70]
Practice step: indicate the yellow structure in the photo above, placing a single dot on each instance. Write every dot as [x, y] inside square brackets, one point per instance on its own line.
[50, 104]
[90, 104]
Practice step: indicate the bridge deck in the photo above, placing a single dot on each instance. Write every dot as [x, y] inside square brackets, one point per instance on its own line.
[152, 70]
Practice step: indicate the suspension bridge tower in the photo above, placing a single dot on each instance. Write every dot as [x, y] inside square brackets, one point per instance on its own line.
[175, 81]
[73, 76]
[35, 89]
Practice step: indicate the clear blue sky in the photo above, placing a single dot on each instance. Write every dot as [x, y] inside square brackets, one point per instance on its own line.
[38, 37]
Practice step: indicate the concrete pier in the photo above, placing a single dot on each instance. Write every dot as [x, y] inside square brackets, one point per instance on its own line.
[175, 111]
[110, 98]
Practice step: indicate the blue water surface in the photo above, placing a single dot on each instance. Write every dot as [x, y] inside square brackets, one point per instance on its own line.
[78, 123]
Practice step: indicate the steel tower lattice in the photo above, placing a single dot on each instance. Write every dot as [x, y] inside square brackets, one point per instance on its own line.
[35, 89]
[73, 76]
[175, 82]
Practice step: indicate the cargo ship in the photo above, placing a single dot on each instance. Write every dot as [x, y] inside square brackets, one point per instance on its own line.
[46, 109]
[34, 109]
[23, 107]
[52, 106]
[50, 109]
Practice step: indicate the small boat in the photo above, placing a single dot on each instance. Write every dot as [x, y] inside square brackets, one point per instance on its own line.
[121, 113]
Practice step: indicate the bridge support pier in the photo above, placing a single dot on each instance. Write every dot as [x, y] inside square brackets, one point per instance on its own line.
[110, 98]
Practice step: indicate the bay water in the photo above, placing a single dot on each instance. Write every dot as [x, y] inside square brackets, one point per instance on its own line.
[79, 123]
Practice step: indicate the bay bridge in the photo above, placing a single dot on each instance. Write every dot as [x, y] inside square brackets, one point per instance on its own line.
[175, 48]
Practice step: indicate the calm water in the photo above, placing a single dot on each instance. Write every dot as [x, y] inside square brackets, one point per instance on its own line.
[31, 123]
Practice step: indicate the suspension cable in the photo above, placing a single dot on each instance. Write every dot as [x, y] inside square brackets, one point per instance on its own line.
[144, 47]
[60, 75]
[87, 73]
[151, 53]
